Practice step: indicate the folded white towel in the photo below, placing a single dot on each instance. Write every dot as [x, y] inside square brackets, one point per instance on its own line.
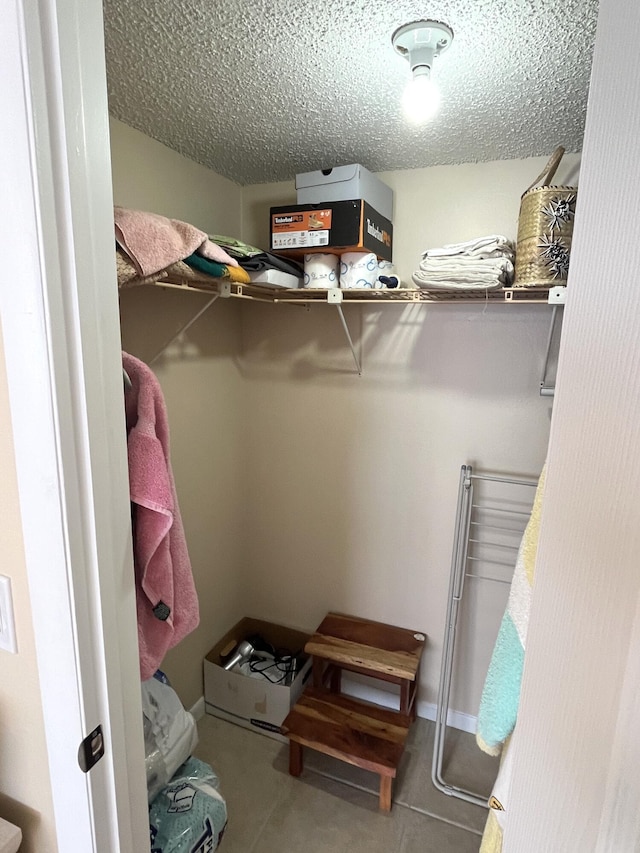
[423, 281]
[466, 268]
[468, 274]
[491, 246]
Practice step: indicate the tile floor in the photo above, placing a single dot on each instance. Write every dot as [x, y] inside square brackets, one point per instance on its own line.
[333, 807]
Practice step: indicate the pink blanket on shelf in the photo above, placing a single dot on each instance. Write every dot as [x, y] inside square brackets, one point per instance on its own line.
[166, 598]
[154, 242]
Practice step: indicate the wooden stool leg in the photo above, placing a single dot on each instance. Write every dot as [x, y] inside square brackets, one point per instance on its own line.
[408, 697]
[335, 685]
[385, 793]
[295, 758]
[414, 701]
[318, 671]
[405, 696]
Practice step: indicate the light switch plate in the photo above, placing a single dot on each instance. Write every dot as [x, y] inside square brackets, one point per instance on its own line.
[7, 624]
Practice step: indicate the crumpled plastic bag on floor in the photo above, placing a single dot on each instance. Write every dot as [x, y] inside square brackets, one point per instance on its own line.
[170, 732]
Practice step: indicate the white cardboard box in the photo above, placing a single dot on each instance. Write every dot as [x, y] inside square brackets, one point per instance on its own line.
[276, 278]
[343, 183]
[253, 703]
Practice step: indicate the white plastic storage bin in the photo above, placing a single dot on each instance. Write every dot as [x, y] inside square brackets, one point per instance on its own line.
[343, 183]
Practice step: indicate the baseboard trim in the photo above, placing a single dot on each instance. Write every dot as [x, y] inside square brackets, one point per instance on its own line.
[197, 710]
[426, 710]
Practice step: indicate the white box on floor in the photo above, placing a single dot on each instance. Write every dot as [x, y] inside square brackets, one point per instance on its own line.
[253, 703]
[343, 183]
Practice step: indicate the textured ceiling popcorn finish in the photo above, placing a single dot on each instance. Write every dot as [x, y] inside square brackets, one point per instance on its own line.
[259, 90]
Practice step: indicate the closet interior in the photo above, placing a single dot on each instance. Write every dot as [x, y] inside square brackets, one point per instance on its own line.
[307, 486]
[316, 436]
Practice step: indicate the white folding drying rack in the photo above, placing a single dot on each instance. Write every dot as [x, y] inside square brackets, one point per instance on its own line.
[490, 522]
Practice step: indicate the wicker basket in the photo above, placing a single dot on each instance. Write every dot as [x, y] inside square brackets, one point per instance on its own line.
[545, 229]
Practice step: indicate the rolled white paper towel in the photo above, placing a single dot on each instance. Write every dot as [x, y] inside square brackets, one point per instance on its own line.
[358, 269]
[321, 271]
[387, 269]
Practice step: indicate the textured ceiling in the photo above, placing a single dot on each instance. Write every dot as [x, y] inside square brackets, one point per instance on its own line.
[259, 90]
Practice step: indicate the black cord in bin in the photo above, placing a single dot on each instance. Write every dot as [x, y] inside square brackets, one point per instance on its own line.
[276, 670]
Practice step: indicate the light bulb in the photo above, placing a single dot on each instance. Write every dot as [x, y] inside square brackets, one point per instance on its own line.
[421, 98]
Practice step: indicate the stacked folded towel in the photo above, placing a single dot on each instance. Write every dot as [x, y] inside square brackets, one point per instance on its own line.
[482, 264]
[154, 242]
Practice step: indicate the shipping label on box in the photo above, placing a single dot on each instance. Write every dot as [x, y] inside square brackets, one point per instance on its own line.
[305, 228]
[339, 226]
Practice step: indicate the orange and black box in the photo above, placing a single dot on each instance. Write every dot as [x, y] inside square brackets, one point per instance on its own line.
[334, 226]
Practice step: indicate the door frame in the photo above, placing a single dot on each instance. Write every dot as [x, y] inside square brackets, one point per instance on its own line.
[59, 310]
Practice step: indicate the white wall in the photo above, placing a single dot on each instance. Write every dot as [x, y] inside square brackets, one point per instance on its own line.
[353, 480]
[201, 386]
[24, 770]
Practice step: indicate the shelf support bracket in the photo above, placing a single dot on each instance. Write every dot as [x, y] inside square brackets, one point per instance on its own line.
[184, 328]
[334, 297]
[548, 390]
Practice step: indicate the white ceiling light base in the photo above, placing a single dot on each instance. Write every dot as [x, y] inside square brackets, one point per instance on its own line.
[419, 43]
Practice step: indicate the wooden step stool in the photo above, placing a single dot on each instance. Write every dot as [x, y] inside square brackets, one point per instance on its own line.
[359, 733]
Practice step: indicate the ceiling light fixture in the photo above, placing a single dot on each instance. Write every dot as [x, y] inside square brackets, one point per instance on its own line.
[420, 42]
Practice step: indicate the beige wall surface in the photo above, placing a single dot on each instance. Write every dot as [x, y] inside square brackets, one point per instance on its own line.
[24, 773]
[201, 386]
[149, 176]
[353, 479]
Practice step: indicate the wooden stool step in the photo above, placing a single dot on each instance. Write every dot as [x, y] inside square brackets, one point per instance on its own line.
[361, 734]
[370, 648]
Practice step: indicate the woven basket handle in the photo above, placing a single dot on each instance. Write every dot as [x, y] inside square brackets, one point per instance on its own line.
[549, 170]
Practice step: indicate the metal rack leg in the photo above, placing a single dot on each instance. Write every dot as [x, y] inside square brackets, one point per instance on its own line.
[456, 585]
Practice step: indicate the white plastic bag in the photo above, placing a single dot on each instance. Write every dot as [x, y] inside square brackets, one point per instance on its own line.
[170, 733]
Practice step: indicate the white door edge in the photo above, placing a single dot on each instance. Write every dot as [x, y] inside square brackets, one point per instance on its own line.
[59, 309]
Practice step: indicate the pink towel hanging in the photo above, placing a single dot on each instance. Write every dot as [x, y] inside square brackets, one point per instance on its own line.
[166, 598]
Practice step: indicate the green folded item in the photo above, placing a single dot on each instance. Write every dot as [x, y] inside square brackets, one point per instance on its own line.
[212, 268]
[236, 248]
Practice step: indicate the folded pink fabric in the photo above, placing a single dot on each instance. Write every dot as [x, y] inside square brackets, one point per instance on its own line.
[212, 252]
[154, 242]
[166, 598]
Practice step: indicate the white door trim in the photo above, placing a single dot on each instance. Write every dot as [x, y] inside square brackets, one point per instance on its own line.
[58, 303]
